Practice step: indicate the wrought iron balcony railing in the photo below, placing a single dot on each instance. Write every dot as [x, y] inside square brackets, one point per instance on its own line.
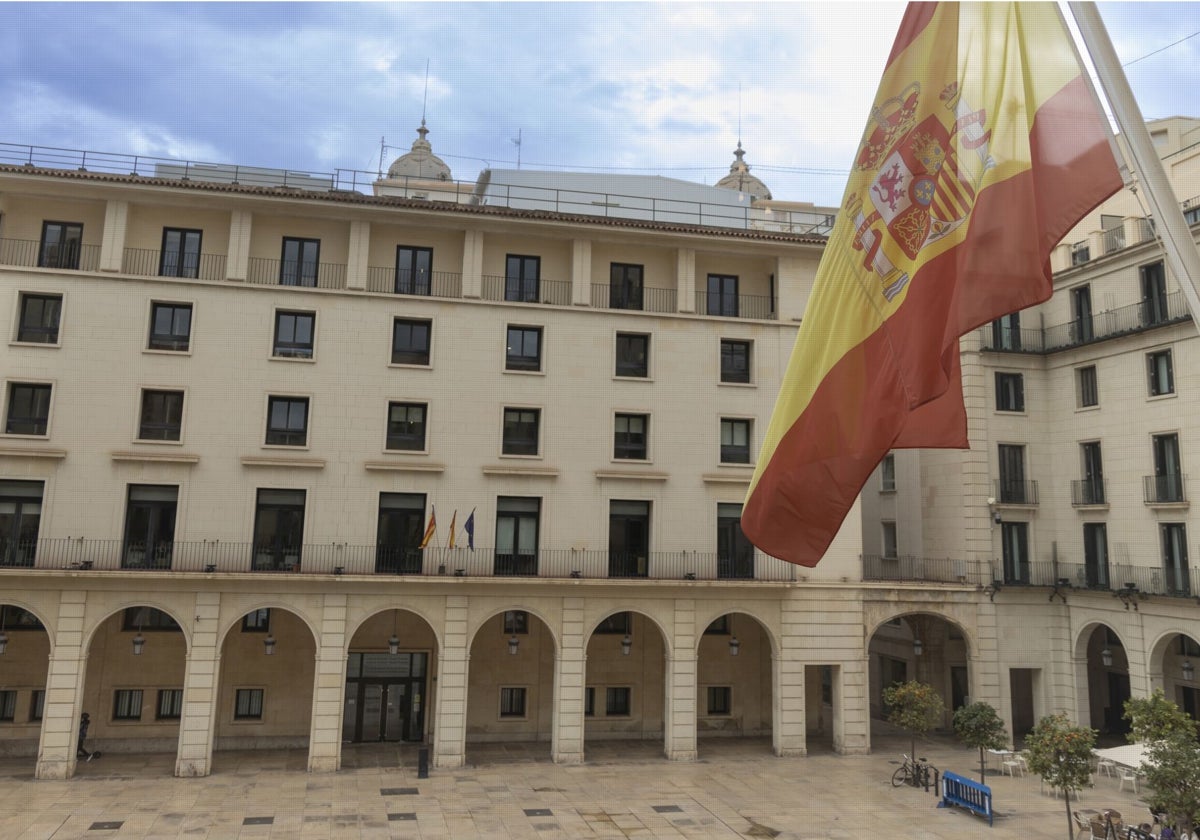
[1010, 492]
[607, 296]
[1124, 320]
[500, 288]
[147, 263]
[28, 253]
[1158, 579]
[903, 568]
[1088, 491]
[755, 307]
[302, 274]
[439, 284]
[1165, 489]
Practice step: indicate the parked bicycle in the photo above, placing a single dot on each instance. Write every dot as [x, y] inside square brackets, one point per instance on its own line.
[913, 772]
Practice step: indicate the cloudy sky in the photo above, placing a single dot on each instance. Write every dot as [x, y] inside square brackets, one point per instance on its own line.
[632, 87]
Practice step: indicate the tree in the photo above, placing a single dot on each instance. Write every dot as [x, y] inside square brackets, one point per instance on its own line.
[1062, 755]
[978, 725]
[1172, 767]
[915, 706]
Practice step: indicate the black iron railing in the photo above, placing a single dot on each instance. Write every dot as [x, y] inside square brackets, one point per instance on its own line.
[28, 253]
[147, 263]
[1088, 491]
[439, 284]
[1124, 320]
[1164, 489]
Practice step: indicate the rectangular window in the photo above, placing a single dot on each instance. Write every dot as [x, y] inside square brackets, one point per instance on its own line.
[735, 554]
[589, 701]
[719, 626]
[616, 701]
[410, 341]
[20, 515]
[889, 540]
[1081, 315]
[62, 243]
[735, 441]
[1010, 392]
[170, 326]
[414, 267]
[150, 526]
[1095, 554]
[400, 530]
[1175, 558]
[617, 624]
[38, 323]
[1006, 332]
[522, 278]
[887, 474]
[719, 700]
[248, 704]
[512, 702]
[287, 421]
[516, 622]
[170, 704]
[523, 349]
[1168, 469]
[13, 617]
[278, 530]
[1014, 537]
[625, 286]
[630, 436]
[28, 408]
[1013, 489]
[162, 415]
[1092, 487]
[257, 621]
[127, 704]
[8, 706]
[37, 704]
[180, 253]
[148, 620]
[299, 261]
[294, 334]
[1154, 294]
[628, 538]
[1161, 373]
[735, 360]
[633, 355]
[518, 520]
[406, 426]
[520, 434]
[1088, 391]
[722, 298]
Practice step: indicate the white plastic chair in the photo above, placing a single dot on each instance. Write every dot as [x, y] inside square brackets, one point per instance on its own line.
[1106, 766]
[1126, 775]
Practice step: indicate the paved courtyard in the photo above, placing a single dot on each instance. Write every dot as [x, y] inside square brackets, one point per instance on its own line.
[736, 789]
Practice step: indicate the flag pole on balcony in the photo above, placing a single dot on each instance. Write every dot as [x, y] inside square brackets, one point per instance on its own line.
[1178, 245]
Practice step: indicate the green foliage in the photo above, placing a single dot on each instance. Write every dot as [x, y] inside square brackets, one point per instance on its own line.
[1062, 755]
[977, 725]
[1155, 717]
[1172, 770]
[915, 706]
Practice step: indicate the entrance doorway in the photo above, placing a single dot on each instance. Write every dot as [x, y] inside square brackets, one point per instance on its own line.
[385, 697]
[1021, 696]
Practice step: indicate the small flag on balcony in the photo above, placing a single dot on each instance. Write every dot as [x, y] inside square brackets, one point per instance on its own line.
[430, 529]
[972, 167]
[453, 521]
[469, 527]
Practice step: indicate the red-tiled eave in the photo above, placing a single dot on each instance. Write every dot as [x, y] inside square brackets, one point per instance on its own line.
[355, 198]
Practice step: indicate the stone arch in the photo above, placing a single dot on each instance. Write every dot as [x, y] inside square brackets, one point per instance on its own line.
[90, 629]
[735, 680]
[25, 670]
[628, 693]
[1166, 672]
[929, 610]
[230, 621]
[1107, 686]
[475, 626]
[668, 639]
[705, 619]
[41, 613]
[435, 625]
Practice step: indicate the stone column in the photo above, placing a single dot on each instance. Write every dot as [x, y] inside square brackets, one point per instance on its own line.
[685, 280]
[329, 689]
[450, 728]
[679, 718]
[570, 674]
[472, 269]
[581, 272]
[358, 256]
[64, 688]
[788, 735]
[237, 264]
[201, 674]
[112, 243]
[852, 720]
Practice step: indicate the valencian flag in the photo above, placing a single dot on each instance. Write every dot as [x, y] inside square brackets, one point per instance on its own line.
[430, 529]
[453, 520]
[973, 165]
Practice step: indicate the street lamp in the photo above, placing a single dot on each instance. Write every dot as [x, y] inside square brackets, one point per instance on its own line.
[513, 644]
[1106, 658]
[393, 644]
[734, 646]
[918, 648]
[626, 645]
[1189, 670]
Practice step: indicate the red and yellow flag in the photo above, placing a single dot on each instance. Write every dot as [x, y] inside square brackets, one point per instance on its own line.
[430, 529]
[453, 524]
[984, 147]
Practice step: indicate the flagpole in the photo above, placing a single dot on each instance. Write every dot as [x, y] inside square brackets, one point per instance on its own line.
[1180, 247]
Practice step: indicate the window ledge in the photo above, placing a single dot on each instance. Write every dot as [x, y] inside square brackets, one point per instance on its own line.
[157, 457]
[280, 461]
[400, 466]
[632, 475]
[521, 372]
[1168, 505]
[514, 469]
[1101, 506]
[726, 478]
[724, 384]
[16, 343]
[157, 352]
[31, 452]
[307, 360]
[619, 378]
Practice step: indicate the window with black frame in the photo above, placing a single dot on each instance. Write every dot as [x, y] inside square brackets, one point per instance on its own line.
[20, 516]
[625, 286]
[278, 530]
[406, 426]
[180, 256]
[299, 261]
[523, 349]
[735, 440]
[518, 520]
[150, 526]
[287, 421]
[631, 435]
[294, 333]
[161, 415]
[39, 317]
[170, 326]
[522, 278]
[399, 533]
[628, 538]
[520, 431]
[735, 360]
[1010, 391]
[633, 355]
[61, 245]
[410, 341]
[28, 408]
[722, 295]
[735, 553]
[414, 269]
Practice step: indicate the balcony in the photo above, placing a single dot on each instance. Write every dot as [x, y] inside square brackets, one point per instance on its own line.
[754, 307]
[146, 263]
[606, 296]
[374, 560]
[499, 288]
[909, 568]
[268, 272]
[1165, 489]
[1106, 578]
[438, 284]
[27, 253]
[1088, 492]
[1125, 320]
[1011, 492]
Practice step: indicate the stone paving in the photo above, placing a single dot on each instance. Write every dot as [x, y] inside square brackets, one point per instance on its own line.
[625, 790]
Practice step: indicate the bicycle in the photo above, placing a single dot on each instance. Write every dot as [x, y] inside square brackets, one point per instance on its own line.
[913, 772]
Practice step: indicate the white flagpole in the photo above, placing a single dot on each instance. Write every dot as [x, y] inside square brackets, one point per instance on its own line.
[1180, 247]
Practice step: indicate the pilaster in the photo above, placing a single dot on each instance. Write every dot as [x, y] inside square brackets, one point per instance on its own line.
[788, 735]
[679, 719]
[570, 672]
[472, 269]
[64, 687]
[685, 280]
[358, 256]
[450, 728]
[112, 245]
[581, 272]
[325, 735]
[201, 671]
[237, 264]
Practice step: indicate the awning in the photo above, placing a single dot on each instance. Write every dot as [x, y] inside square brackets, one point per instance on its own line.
[1133, 756]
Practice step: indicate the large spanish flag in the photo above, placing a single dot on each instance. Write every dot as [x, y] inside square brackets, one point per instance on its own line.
[985, 146]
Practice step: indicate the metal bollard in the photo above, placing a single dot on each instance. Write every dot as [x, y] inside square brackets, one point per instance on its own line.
[423, 763]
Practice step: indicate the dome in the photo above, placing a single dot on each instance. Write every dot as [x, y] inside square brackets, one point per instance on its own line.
[740, 179]
[421, 162]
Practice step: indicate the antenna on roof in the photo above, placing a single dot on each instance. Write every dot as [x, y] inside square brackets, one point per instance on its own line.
[516, 141]
[382, 151]
[425, 95]
[739, 114]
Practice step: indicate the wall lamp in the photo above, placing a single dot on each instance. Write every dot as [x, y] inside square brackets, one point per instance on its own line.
[918, 647]
[1189, 670]
[991, 589]
[513, 644]
[393, 644]
[139, 643]
[3, 642]
[269, 645]
[734, 646]
[1129, 595]
[626, 645]
[1106, 657]
[1059, 586]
